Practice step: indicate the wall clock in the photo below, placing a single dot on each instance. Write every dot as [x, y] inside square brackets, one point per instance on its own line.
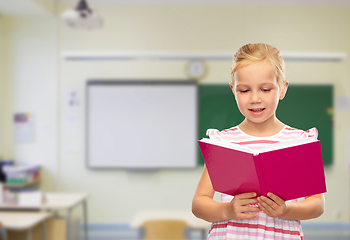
[196, 69]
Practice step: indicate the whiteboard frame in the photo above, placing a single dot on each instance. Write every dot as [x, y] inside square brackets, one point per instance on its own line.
[91, 83]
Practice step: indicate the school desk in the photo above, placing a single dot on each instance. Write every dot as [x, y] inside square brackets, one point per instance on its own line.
[67, 201]
[192, 221]
[24, 221]
[56, 201]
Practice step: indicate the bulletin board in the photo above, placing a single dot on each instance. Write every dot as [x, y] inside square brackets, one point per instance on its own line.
[304, 107]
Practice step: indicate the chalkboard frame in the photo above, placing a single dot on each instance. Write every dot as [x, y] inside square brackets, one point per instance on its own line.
[304, 107]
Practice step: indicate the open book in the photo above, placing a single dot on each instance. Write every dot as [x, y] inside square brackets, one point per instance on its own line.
[289, 169]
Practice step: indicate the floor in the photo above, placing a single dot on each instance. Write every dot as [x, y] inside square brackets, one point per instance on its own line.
[327, 231]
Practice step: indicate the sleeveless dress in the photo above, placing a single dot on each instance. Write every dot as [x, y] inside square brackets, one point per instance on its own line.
[262, 227]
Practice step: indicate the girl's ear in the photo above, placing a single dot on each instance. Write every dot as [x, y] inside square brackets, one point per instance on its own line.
[284, 89]
[232, 88]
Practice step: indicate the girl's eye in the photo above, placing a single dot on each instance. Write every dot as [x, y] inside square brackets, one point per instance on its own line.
[266, 90]
[243, 91]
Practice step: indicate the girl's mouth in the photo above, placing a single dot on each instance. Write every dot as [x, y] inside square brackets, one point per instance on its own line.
[256, 110]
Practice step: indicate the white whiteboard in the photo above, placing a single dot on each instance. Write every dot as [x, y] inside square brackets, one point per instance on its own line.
[141, 125]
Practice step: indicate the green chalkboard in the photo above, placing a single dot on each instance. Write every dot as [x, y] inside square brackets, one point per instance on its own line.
[304, 107]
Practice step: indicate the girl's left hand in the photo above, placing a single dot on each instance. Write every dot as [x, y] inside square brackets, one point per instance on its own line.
[274, 206]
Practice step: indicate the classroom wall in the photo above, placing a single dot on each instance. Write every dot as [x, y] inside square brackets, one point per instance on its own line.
[116, 194]
[29, 85]
[1, 74]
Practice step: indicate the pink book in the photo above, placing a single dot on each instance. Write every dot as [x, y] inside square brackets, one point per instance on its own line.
[289, 169]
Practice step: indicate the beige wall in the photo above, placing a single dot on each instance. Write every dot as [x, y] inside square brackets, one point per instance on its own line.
[116, 194]
[29, 84]
[1, 76]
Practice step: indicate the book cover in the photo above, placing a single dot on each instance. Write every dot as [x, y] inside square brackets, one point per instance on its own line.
[290, 169]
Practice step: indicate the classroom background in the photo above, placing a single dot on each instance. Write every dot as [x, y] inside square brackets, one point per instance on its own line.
[36, 76]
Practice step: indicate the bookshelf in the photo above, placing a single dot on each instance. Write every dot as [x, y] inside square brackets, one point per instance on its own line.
[19, 186]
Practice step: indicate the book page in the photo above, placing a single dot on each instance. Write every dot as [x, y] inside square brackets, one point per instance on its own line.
[228, 145]
[272, 147]
[288, 143]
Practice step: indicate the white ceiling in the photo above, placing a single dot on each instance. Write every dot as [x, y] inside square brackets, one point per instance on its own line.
[29, 7]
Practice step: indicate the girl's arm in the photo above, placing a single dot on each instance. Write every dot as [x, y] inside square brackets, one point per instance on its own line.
[310, 207]
[204, 207]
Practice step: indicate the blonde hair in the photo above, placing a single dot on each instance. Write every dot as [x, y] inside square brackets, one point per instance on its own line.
[254, 52]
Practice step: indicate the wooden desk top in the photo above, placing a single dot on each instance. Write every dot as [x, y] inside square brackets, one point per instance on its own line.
[57, 200]
[53, 201]
[22, 220]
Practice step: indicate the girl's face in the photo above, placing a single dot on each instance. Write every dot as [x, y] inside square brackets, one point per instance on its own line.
[257, 92]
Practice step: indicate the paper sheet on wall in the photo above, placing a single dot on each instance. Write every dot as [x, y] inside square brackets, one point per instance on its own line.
[24, 128]
[342, 103]
[71, 113]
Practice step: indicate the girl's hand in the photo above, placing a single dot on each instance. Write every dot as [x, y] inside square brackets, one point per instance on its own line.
[238, 209]
[273, 206]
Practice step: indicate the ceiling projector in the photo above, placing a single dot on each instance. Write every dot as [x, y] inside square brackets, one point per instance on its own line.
[82, 17]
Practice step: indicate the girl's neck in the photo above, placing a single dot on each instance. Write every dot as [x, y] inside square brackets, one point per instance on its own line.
[266, 129]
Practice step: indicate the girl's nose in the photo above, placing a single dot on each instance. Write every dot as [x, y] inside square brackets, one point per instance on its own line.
[255, 98]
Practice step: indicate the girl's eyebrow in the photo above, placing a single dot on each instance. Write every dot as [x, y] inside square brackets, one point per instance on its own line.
[262, 84]
[242, 85]
[267, 83]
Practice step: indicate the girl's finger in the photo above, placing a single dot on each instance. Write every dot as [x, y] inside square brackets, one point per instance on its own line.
[249, 201]
[264, 209]
[267, 201]
[246, 195]
[248, 215]
[250, 209]
[275, 198]
[264, 206]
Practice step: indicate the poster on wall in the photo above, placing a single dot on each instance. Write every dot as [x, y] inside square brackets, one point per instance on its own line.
[24, 127]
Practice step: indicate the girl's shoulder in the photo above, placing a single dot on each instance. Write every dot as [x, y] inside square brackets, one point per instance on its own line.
[294, 133]
[230, 134]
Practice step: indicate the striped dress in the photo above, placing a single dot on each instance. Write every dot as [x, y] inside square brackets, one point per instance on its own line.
[262, 226]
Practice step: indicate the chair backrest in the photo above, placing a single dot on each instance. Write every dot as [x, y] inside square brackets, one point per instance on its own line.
[164, 229]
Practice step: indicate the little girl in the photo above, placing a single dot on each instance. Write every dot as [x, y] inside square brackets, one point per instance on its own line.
[258, 83]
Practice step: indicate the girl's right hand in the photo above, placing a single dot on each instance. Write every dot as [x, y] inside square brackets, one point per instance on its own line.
[238, 209]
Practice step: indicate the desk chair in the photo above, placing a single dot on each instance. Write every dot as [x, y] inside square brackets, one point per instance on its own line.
[3, 232]
[164, 229]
